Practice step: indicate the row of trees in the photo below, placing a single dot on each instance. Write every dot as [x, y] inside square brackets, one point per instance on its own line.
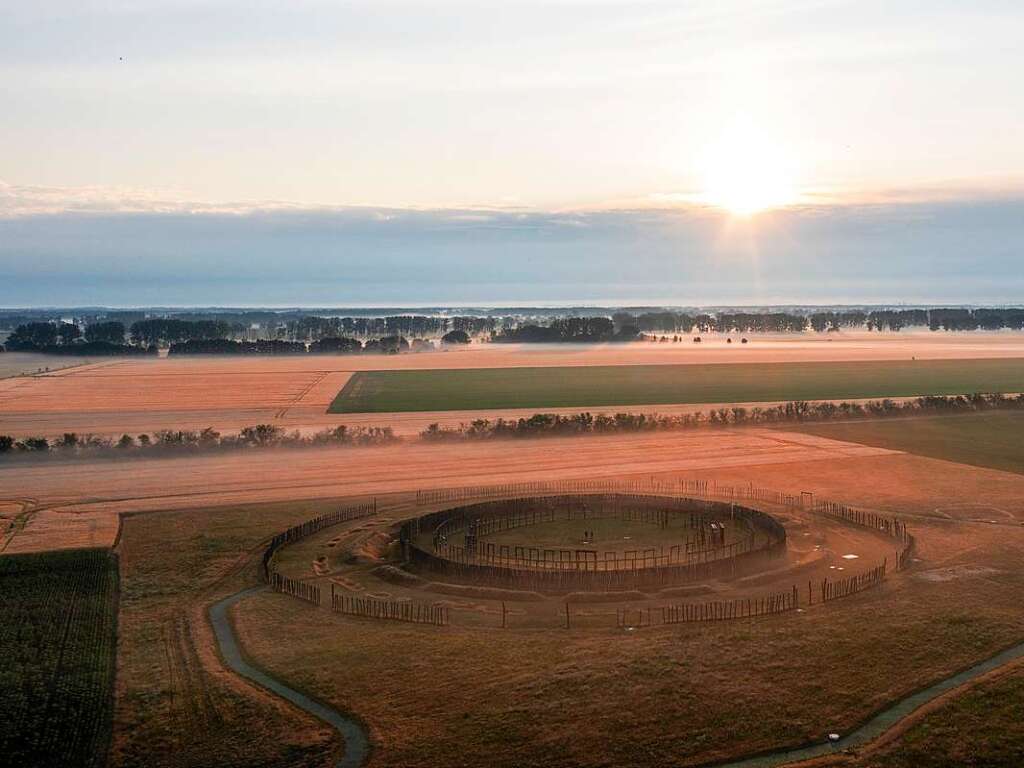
[568, 329]
[790, 322]
[163, 331]
[550, 424]
[70, 445]
[343, 333]
[538, 425]
[724, 322]
[101, 338]
[326, 346]
[314, 328]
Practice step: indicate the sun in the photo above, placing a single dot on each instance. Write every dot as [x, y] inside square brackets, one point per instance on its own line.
[745, 174]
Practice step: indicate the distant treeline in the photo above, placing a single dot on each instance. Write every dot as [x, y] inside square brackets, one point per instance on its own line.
[374, 334]
[556, 425]
[106, 338]
[571, 329]
[789, 322]
[395, 325]
[327, 346]
[173, 442]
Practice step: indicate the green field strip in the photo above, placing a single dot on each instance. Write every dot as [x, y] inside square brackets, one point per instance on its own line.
[627, 385]
[994, 440]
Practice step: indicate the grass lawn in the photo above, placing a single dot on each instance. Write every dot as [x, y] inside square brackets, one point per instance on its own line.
[623, 385]
[984, 439]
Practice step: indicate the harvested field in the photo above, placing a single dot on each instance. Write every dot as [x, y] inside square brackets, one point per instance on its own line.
[28, 363]
[71, 500]
[983, 439]
[602, 386]
[142, 395]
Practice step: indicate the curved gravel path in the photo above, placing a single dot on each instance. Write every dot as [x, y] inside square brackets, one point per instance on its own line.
[357, 745]
[885, 719]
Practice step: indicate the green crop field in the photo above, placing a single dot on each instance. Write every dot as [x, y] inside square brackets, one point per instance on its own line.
[58, 631]
[625, 385]
[993, 439]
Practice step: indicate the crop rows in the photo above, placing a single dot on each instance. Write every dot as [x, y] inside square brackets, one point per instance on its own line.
[58, 631]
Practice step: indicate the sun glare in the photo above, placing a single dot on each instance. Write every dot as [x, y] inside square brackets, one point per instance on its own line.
[745, 174]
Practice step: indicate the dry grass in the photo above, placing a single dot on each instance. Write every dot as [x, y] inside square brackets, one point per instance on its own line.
[672, 696]
[175, 705]
[659, 696]
[656, 697]
[983, 728]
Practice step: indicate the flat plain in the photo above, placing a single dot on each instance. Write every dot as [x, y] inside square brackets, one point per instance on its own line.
[189, 530]
[666, 695]
[133, 396]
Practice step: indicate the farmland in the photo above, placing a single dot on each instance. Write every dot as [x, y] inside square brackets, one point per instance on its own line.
[984, 440]
[58, 627]
[533, 693]
[597, 386]
[132, 395]
[663, 693]
[26, 363]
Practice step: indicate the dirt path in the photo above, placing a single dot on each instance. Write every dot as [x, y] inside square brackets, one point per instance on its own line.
[357, 744]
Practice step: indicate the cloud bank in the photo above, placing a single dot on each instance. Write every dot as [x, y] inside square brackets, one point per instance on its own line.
[170, 252]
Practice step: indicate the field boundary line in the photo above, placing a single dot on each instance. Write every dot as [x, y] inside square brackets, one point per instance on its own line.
[320, 376]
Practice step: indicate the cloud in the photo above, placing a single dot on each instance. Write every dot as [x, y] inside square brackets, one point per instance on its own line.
[103, 250]
[36, 200]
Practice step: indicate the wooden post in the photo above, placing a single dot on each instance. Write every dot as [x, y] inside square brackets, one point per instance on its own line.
[567, 616]
[504, 620]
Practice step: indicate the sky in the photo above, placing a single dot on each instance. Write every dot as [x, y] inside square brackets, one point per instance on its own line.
[753, 151]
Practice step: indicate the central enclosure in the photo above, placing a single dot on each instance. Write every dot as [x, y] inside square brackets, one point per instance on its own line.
[591, 542]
